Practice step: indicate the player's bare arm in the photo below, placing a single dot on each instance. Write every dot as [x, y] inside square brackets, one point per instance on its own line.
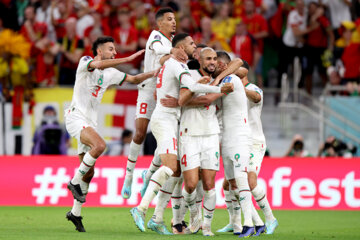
[204, 100]
[253, 96]
[107, 63]
[140, 77]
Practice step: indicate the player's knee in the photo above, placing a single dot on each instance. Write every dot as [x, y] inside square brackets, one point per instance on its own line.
[252, 180]
[191, 186]
[139, 137]
[226, 185]
[208, 184]
[99, 148]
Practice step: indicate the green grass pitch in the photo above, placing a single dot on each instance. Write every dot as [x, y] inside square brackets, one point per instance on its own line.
[116, 223]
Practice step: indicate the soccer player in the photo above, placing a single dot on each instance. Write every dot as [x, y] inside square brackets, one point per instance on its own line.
[93, 77]
[235, 146]
[199, 147]
[258, 148]
[157, 46]
[164, 122]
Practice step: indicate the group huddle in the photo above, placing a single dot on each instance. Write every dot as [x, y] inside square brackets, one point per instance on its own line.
[196, 116]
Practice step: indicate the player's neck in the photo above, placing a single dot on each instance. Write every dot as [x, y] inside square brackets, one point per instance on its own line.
[166, 34]
[204, 73]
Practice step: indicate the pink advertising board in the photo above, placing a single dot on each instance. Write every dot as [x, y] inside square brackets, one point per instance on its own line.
[291, 183]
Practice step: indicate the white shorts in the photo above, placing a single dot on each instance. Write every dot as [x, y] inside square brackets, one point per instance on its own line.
[199, 151]
[257, 153]
[165, 130]
[75, 122]
[145, 103]
[235, 159]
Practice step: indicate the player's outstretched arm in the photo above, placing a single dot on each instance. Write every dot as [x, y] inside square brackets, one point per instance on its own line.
[107, 63]
[232, 67]
[141, 77]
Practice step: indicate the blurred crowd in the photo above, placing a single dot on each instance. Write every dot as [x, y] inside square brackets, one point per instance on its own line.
[324, 34]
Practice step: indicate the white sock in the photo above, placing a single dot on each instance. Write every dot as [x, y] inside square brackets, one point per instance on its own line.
[245, 198]
[229, 205]
[156, 182]
[261, 199]
[84, 187]
[76, 209]
[199, 196]
[154, 166]
[133, 155]
[177, 202]
[236, 217]
[255, 216]
[85, 165]
[164, 198]
[190, 200]
[209, 206]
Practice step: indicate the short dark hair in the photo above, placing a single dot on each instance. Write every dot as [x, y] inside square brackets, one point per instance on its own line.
[126, 133]
[201, 45]
[178, 38]
[223, 55]
[162, 11]
[100, 41]
[245, 64]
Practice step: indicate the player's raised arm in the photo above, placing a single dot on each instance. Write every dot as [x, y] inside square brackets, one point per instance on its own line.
[102, 64]
[203, 100]
[252, 95]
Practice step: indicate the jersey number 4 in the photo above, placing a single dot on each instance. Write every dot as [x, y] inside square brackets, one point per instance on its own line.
[183, 160]
[160, 76]
[95, 94]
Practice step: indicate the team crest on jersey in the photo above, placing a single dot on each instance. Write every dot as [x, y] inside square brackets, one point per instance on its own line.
[157, 37]
[86, 58]
[227, 79]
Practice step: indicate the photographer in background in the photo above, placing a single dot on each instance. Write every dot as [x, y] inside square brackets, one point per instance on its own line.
[50, 137]
[120, 147]
[296, 148]
[336, 148]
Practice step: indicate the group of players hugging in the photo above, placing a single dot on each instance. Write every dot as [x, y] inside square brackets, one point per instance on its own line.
[200, 105]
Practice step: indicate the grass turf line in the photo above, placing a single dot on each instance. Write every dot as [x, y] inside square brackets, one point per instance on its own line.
[116, 223]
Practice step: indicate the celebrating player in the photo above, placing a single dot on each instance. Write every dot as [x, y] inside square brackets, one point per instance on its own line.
[93, 77]
[157, 46]
[164, 121]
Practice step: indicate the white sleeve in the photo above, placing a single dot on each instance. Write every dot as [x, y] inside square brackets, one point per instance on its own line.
[84, 64]
[160, 49]
[114, 76]
[187, 81]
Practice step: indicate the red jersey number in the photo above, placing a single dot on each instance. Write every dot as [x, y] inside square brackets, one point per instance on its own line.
[160, 76]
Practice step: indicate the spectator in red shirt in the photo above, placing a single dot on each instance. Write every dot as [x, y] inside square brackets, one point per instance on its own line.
[59, 23]
[71, 48]
[317, 41]
[126, 39]
[243, 44]
[257, 26]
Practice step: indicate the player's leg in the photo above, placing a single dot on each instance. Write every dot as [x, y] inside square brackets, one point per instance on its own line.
[165, 132]
[164, 196]
[91, 138]
[258, 152]
[147, 174]
[229, 207]
[144, 109]
[199, 195]
[208, 179]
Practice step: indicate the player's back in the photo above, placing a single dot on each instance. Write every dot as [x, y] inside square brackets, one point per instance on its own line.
[235, 111]
[168, 83]
[199, 120]
[254, 110]
[152, 60]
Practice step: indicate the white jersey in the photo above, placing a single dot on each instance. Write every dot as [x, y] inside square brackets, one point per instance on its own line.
[168, 83]
[90, 86]
[199, 120]
[235, 113]
[152, 60]
[257, 134]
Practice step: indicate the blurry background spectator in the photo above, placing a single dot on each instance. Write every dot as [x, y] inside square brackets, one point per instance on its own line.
[334, 147]
[296, 148]
[120, 147]
[50, 137]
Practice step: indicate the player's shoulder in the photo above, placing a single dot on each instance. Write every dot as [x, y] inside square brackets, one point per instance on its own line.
[173, 62]
[155, 35]
[85, 59]
[253, 87]
[193, 72]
